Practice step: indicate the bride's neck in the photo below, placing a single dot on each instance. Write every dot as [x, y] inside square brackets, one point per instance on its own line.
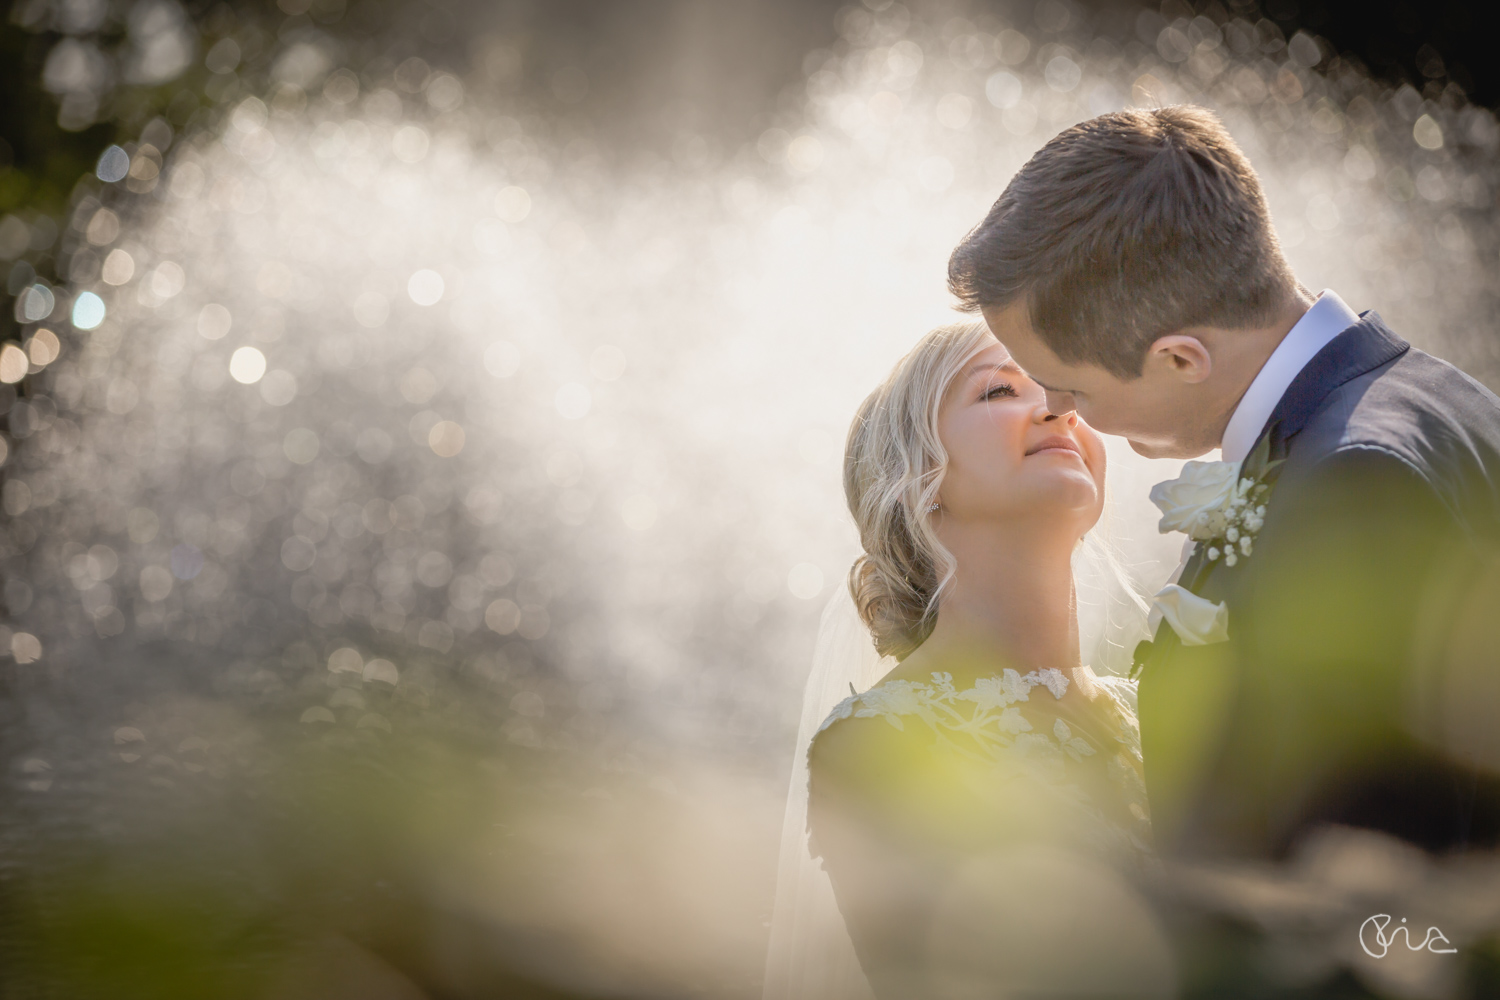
[1012, 596]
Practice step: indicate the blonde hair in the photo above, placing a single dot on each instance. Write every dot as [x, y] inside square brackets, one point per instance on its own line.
[893, 466]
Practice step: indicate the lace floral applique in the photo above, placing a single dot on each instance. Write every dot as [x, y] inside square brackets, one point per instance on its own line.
[1076, 746]
[842, 710]
[994, 721]
[897, 698]
[1053, 680]
[1128, 731]
[983, 722]
[1035, 755]
[997, 692]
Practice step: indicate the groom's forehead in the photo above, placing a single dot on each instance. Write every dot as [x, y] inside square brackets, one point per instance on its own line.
[1011, 326]
[999, 361]
[1048, 386]
[1044, 385]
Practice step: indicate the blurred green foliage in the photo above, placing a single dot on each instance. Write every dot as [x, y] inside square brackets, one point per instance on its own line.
[228, 878]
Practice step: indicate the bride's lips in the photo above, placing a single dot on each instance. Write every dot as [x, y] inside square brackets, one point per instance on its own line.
[1054, 444]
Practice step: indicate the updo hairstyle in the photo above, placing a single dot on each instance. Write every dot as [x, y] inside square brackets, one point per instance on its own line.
[893, 466]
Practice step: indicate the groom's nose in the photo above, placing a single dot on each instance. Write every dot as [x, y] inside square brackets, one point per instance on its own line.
[1060, 403]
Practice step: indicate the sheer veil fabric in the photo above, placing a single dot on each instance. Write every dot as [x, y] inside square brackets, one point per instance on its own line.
[810, 956]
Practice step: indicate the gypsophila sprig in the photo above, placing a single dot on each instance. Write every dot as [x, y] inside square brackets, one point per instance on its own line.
[1220, 505]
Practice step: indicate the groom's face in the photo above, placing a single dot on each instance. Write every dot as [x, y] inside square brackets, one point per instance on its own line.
[1152, 412]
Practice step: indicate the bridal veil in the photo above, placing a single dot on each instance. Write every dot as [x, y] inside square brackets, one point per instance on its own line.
[810, 955]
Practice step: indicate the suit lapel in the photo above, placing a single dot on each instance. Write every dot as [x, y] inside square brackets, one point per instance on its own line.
[1361, 348]
[1188, 696]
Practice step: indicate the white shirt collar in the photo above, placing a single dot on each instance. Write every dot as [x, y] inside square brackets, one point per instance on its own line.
[1328, 317]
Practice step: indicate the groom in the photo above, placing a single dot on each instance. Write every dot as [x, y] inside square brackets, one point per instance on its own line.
[1310, 669]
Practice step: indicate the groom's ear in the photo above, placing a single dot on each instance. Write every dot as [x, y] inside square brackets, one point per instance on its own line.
[1180, 356]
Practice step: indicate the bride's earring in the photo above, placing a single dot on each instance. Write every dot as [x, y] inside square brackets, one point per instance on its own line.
[933, 507]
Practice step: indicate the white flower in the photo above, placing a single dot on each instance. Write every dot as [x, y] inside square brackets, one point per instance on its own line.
[1196, 620]
[1196, 501]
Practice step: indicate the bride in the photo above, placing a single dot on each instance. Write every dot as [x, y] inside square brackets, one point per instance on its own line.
[979, 810]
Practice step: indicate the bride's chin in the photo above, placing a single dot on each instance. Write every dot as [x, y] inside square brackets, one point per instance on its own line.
[1083, 510]
[1073, 488]
[1074, 506]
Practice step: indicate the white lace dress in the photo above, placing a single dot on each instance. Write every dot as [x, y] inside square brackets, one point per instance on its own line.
[911, 781]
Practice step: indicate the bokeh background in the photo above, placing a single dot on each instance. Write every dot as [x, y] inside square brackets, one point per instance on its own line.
[422, 425]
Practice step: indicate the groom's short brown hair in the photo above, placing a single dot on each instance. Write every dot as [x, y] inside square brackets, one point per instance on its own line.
[1124, 228]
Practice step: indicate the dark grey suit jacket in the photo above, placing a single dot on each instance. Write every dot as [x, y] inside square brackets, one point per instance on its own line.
[1364, 628]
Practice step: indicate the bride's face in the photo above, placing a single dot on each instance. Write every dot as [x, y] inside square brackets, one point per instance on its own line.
[1009, 456]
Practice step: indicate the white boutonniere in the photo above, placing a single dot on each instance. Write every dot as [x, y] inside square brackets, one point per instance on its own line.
[1196, 620]
[1221, 506]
